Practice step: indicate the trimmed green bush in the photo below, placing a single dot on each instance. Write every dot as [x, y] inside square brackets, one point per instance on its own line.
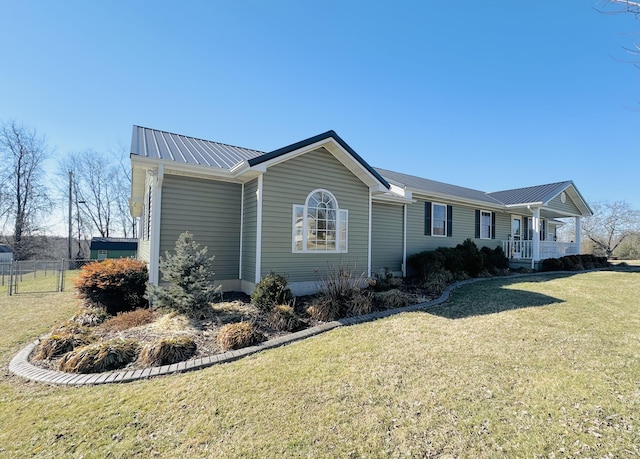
[166, 351]
[115, 284]
[99, 357]
[238, 335]
[270, 291]
[574, 263]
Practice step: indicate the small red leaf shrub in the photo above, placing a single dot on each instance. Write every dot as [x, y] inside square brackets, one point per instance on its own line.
[118, 285]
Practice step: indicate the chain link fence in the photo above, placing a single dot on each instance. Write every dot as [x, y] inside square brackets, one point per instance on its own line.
[37, 276]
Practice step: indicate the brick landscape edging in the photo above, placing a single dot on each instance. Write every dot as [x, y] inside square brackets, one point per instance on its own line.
[21, 366]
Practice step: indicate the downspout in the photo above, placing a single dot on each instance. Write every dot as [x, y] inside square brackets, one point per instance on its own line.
[154, 256]
[404, 240]
[258, 229]
[241, 231]
[369, 241]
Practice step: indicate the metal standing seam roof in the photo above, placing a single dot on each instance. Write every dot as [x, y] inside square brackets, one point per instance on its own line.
[439, 188]
[531, 194]
[162, 145]
[154, 144]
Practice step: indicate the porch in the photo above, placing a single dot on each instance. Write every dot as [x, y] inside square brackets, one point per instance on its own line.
[522, 251]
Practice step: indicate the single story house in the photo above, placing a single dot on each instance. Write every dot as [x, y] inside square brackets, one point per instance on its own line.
[112, 247]
[316, 203]
[6, 254]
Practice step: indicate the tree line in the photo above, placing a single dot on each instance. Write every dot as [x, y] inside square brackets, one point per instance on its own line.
[95, 184]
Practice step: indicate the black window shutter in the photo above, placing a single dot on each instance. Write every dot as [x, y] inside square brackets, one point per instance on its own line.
[493, 225]
[477, 223]
[427, 218]
[449, 221]
[525, 229]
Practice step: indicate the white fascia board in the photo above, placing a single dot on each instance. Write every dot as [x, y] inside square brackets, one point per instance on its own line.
[338, 152]
[455, 199]
[196, 170]
[392, 199]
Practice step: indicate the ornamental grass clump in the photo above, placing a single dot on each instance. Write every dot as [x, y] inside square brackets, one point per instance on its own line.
[62, 340]
[341, 294]
[99, 357]
[166, 351]
[190, 277]
[272, 290]
[114, 284]
[238, 335]
[130, 319]
[283, 318]
[90, 316]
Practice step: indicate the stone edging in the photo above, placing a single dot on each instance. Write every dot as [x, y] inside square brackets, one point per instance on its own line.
[20, 365]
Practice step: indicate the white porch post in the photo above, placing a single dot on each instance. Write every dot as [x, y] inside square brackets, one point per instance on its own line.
[578, 236]
[535, 222]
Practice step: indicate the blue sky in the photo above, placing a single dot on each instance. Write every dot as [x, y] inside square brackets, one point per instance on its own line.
[489, 95]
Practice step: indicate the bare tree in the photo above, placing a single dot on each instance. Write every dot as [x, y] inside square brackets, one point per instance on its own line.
[22, 154]
[611, 223]
[99, 193]
[624, 6]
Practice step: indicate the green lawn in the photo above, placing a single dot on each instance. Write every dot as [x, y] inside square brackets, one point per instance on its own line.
[543, 366]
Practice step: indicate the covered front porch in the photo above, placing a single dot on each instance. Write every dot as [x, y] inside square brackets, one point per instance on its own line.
[523, 250]
[533, 239]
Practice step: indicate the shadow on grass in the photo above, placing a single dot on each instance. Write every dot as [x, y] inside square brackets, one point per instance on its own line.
[487, 299]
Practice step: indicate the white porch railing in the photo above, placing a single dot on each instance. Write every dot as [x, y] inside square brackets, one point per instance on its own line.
[548, 249]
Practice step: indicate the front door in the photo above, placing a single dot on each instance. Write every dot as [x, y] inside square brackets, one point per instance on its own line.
[516, 237]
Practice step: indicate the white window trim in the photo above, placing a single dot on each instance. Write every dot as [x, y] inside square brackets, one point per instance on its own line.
[102, 252]
[485, 212]
[433, 208]
[342, 218]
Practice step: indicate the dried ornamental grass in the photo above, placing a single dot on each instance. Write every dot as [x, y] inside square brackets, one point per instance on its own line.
[90, 317]
[130, 319]
[58, 344]
[167, 351]
[392, 299]
[99, 357]
[283, 318]
[238, 335]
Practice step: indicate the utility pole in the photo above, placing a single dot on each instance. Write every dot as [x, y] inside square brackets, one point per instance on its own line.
[70, 211]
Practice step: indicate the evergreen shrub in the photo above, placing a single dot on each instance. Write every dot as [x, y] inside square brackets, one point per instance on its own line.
[270, 291]
[190, 277]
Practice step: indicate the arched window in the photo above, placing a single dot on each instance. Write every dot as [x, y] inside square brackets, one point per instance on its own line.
[319, 225]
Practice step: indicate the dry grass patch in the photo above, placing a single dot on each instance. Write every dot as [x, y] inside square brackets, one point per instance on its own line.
[129, 319]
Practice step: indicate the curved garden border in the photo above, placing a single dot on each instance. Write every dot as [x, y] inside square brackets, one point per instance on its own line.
[21, 366]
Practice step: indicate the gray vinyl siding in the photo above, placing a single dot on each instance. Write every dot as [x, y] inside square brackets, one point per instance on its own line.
[386, 237]
[210, 210]
[568, 207]
[249, 231]
[464, 227]
[289, 183]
